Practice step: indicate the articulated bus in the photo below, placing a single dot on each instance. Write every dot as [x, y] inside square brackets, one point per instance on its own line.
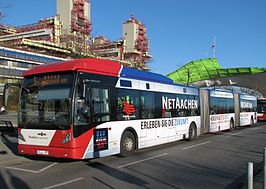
[261, 109]
[90, 108]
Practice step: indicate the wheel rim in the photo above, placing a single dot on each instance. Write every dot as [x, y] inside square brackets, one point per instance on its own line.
[128, 144]
[251, 122]
[231, 125]
[192, 132]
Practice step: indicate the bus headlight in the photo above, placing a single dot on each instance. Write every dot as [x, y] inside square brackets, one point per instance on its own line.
[67, 138]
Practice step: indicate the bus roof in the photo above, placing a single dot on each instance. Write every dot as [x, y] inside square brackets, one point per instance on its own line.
[98, 66]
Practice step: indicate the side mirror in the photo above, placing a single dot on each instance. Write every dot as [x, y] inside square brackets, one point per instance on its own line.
[5, 95]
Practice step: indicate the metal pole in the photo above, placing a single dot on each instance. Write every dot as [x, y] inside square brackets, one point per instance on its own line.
[250, 175]
[264, 158]
[214, 47]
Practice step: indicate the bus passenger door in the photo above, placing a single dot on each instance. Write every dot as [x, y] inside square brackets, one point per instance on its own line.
[101, 112]
[93, 106]
[100, 104]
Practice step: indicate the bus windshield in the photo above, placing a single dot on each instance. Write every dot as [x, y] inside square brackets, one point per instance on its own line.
[261, 106]
[45, 102]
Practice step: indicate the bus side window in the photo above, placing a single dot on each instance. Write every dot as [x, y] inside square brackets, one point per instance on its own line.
[231, 106]
[127, 104]
[214, 105]
[147, 105]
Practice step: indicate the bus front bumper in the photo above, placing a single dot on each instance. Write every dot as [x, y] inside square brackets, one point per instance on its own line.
[69, 153]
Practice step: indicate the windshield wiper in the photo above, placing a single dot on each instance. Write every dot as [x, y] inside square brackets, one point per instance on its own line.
[27, 124]
[26, 89]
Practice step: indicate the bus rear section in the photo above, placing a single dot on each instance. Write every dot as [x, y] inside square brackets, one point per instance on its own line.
[261, 109]
[225, 110]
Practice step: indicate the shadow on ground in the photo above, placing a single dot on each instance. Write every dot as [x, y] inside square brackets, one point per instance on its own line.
[9, 139]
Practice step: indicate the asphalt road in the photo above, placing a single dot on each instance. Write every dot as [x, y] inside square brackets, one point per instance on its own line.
[210, 161]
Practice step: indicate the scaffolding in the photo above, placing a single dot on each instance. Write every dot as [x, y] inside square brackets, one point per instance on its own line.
[139, 53]
[48, 37]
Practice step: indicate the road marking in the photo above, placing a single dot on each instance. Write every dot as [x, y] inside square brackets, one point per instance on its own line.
[31, 171]
[45, 168]
[140, 161]
[256, 128]
[236, 133]
[64, 183]
[20, 169]
[195, 145]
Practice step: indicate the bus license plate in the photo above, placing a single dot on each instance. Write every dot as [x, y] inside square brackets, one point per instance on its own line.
[42, 152]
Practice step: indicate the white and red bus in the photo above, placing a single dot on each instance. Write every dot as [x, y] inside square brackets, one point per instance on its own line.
[261, 109]
[91, 108]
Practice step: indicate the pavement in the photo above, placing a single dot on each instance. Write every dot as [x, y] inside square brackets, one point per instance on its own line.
[8, 140]
[8, 148]
[258, 179]
[258, 184]
[258, 174]
[9, 156]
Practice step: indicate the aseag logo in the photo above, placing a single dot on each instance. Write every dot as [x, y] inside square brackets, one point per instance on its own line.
[128, 109]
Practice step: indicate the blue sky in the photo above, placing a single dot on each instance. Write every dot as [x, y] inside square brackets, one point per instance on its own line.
[179, 30]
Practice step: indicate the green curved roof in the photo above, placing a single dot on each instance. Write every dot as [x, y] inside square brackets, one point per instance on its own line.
[205, 69]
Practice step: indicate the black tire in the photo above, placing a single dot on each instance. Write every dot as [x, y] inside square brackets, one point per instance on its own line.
[192, 132]
[251, 122]
[232, 125]
[127, 144]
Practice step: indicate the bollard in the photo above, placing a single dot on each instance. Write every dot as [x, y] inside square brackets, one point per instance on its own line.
[250, 175]
[264, 158]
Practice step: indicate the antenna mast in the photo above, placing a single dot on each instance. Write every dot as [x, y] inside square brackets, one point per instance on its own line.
[214, 47]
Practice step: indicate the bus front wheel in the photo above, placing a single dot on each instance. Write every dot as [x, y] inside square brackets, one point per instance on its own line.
[128, 143]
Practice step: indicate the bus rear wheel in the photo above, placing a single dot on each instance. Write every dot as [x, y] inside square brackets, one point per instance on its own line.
[251, 122]
[232, 125]
[128, 143]
[192, 132]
